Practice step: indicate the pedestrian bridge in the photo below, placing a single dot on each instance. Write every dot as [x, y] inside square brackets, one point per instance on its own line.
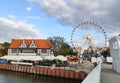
[103, 74]
[108, 75]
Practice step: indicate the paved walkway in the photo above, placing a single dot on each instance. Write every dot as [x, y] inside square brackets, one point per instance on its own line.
[108, 75]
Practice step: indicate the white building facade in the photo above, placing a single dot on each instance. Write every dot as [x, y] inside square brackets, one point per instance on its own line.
[30, 47]
[115, 52]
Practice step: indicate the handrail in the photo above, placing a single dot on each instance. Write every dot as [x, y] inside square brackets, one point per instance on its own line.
[94, 75]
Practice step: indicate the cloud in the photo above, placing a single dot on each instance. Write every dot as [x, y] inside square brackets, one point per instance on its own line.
[10, 30]
[12, 16]
[28, 9]
[70, 12]
[35, 18]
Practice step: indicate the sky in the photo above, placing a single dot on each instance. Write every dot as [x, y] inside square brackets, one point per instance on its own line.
[48, 18]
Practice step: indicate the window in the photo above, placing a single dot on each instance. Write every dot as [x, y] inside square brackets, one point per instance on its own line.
[44, 50]
[28, 51]
[14, 50]
[32, 45]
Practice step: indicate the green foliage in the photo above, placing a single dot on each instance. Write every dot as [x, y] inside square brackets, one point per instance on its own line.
[46, 63]
[6, 46]
[65, 49]
[55, 61]
[56, 44]
[59, 46]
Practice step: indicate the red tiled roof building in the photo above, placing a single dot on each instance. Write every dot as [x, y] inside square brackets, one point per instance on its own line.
[30, 47]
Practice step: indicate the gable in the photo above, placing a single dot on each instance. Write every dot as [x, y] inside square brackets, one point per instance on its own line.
[32, 45]
[23, 44]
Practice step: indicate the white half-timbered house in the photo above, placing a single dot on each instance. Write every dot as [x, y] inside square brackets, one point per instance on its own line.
[34, 47]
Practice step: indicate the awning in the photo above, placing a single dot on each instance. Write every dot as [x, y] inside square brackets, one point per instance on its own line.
[71, 58]
[61, 57]
[18, 58]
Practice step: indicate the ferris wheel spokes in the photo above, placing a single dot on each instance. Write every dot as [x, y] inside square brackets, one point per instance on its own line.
[91, 36]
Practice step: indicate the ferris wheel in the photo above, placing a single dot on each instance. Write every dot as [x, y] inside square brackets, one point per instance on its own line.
[86, 34]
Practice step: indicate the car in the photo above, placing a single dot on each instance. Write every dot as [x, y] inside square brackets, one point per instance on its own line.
[2, 61]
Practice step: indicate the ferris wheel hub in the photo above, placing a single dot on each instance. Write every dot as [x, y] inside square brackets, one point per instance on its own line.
[89, 37]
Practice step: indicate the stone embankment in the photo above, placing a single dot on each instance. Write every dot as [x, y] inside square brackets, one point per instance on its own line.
[80, 75]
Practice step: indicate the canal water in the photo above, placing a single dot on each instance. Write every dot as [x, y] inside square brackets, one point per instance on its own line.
[15, 77]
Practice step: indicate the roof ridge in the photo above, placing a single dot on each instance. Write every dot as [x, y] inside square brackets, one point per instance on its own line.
[30, 39]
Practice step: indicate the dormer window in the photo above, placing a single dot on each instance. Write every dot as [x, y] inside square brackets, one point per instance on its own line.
[32, 45]
[23, 45]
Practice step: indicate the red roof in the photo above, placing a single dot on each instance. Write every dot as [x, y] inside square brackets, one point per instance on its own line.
[38, 42]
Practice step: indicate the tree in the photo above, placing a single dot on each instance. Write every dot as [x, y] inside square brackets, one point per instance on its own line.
[1, 50]
[59, 46]
[6, 46]
[65, 49]
[56, 44]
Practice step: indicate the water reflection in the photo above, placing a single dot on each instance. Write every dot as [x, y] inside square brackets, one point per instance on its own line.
[15, 77]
